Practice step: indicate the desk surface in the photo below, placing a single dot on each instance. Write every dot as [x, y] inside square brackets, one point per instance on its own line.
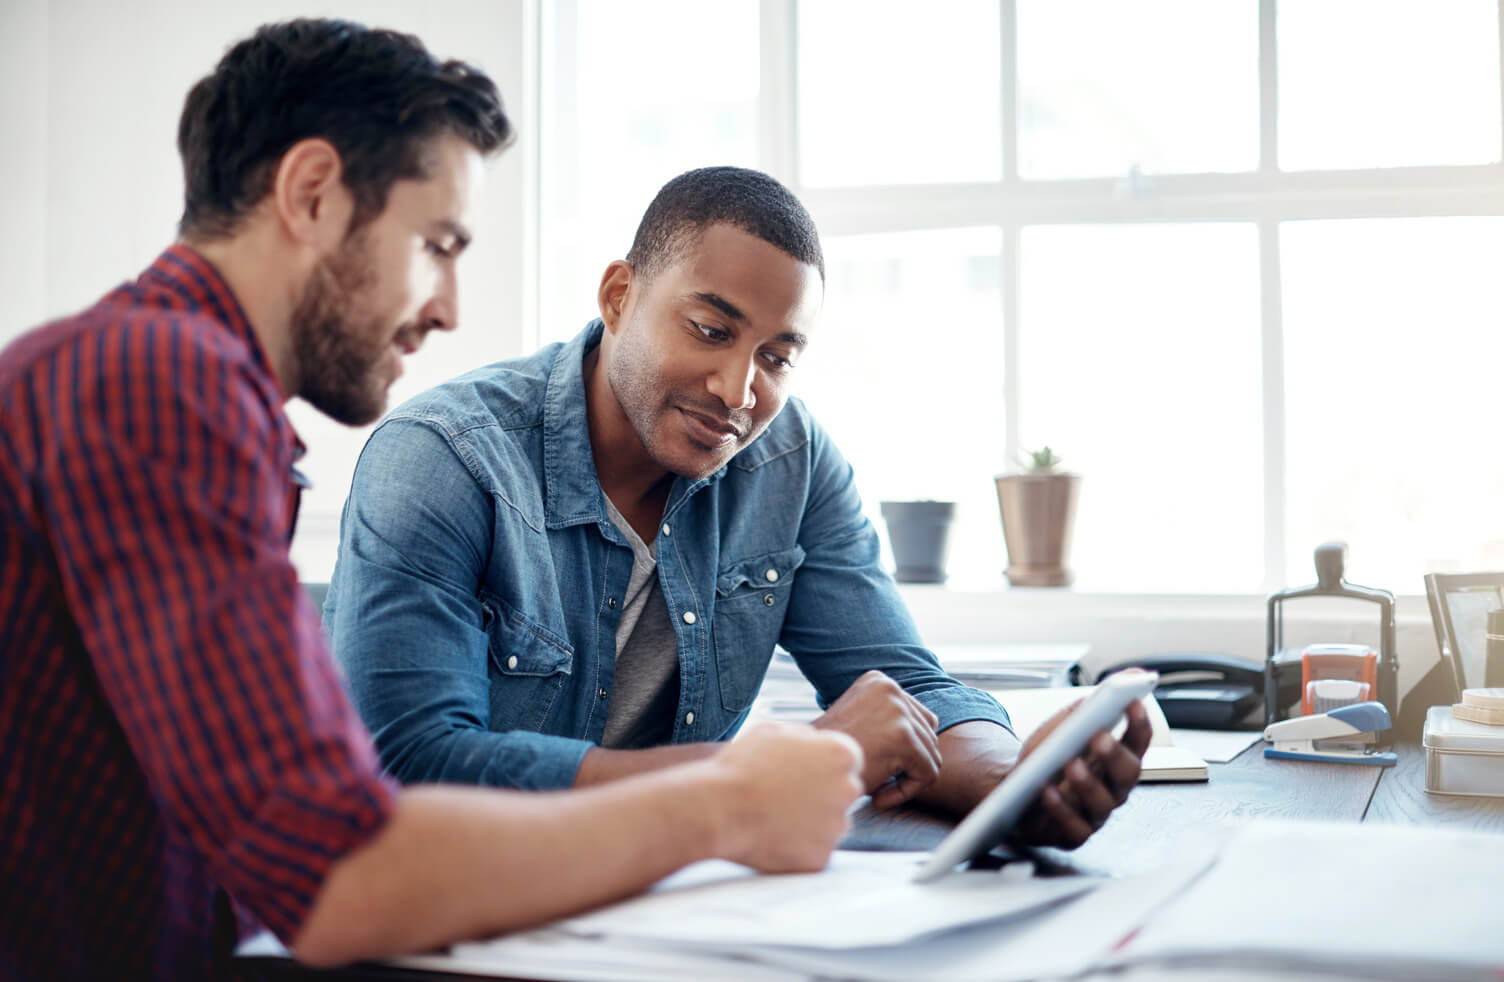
[1162, 821]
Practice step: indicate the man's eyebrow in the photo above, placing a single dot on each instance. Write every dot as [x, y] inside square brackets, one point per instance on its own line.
[799, 340]
[455, 230]
[720, 303]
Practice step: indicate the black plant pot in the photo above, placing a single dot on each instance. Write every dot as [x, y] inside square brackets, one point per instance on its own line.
[919, 532]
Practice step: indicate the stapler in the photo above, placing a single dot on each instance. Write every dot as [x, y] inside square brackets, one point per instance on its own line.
[1337, 736]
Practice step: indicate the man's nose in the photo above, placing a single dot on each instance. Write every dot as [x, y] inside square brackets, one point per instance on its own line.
[731, 382]
[442, 311]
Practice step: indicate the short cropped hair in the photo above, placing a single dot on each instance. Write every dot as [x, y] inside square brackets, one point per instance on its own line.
[746, 199]
[377, 96]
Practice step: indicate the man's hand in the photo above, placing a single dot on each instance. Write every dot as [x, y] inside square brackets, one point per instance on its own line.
[896, 733]
[789, 790]
[1078, 803]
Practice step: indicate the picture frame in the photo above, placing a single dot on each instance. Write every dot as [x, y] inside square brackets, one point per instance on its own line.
[1460, 604]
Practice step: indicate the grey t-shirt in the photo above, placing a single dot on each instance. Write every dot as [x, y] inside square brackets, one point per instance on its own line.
[645, 695]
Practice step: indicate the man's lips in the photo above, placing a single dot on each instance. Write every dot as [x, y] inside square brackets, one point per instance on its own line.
[406, 342]
[720, 430]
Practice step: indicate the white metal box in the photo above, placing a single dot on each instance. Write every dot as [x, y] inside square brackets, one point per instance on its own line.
[1462, 757]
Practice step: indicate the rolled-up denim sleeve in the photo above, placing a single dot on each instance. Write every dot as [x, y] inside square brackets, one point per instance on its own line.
[406, 622]
[845, 616]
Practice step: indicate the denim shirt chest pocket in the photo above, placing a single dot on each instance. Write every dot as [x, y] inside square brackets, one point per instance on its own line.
[751, 600]
[529, 667]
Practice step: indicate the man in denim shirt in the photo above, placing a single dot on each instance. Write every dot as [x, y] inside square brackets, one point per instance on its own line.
[566, 568]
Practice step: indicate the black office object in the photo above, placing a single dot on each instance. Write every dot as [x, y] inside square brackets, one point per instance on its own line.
[1461, 605]
[1201, 691]
[1282, 673]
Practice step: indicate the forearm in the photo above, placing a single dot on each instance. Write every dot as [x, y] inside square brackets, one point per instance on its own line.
[456, 863]
[601, 765]
[975, 756]
[449, 754]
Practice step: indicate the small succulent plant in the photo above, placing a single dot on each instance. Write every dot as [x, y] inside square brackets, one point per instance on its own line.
[1041, 461]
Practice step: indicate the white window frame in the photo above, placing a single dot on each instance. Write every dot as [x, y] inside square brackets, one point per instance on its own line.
[1265, 197]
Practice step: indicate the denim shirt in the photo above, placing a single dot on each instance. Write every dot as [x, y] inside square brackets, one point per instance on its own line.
[475, 600]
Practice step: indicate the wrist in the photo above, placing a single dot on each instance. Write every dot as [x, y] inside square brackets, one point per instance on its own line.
[718, 803]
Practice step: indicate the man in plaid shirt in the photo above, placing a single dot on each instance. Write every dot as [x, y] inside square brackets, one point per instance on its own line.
[178, 759]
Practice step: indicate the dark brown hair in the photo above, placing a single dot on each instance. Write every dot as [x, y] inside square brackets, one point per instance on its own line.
[378, 96]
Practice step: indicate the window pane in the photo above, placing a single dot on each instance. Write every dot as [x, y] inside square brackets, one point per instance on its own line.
[1365, 84]
[1139, 356]
[1393, 348]
[886, 96]
[905, 372]
[659, 87]
[1164, 86]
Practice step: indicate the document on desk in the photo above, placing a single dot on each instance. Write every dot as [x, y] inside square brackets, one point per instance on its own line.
[1375, 902]
[726, 923]
[861, 899]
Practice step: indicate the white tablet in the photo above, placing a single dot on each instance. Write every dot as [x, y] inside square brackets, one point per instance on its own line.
[997, 813]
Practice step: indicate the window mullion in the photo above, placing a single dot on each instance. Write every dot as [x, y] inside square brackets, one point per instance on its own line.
[1271, 320]
[1008, 78]
[1268, 87]
[777, 104]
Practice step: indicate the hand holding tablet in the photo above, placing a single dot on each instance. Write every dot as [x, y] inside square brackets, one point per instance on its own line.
[998, 813]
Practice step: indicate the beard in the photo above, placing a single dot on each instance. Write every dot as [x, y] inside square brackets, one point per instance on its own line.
[337, 349]
[651, 404]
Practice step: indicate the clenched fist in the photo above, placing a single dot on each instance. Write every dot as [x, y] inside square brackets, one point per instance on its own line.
[789, 788]
[896, 733]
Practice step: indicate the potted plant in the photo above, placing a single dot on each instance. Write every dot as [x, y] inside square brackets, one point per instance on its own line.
[1038, 507]
[919, 532]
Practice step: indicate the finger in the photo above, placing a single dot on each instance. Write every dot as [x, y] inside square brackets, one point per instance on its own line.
[1097, 802]
[925, 714]
[1067, 826]
[921, 754]
[923, 723]
[891, 794]
[1118, 767]
[1139, 731]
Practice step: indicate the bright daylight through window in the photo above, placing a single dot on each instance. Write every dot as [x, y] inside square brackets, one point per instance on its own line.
[1250, 287]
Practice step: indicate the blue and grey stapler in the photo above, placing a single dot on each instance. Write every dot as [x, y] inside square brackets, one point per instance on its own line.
[1337, 735]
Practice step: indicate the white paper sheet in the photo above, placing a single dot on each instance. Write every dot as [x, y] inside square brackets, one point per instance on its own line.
[1215, 746]
[1375, 901]
[862, 899]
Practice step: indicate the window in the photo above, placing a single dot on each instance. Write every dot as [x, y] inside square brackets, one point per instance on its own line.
[1241, 263]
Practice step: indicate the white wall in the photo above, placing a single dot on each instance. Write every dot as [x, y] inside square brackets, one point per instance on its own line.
[91, 185]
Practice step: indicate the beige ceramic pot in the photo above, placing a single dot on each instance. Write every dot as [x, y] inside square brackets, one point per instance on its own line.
[1038, 511]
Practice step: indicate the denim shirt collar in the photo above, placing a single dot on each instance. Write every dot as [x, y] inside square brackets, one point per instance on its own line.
[572, 490]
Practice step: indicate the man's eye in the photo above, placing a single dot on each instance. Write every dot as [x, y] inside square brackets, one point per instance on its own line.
[710, 333]
[779, 362]
[437, 249]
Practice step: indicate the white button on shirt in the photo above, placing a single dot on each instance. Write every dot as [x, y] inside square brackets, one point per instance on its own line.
[512, 662]
[772, 576]
[689, 719]
[689, 617]
[667, 530]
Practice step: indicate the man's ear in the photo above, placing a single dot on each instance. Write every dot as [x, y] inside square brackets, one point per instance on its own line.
[616, 286]
[309, 196]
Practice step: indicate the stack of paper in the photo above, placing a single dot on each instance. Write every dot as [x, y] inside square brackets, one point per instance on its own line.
[860, 919]
[1363, 901]
[787, 695]
[1011, 666]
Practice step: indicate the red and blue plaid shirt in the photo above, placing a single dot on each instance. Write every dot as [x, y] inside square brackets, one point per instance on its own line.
[173, 732]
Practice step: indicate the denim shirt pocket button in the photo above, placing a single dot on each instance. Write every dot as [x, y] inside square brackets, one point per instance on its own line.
[748, 620]
[528, 671]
